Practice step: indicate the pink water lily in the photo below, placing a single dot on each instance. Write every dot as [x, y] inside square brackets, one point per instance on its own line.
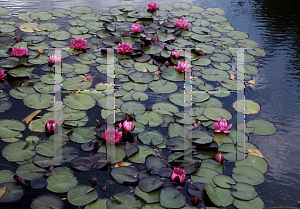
[152, 5]
[53, 58]
[127, 126]
[183, 66]
[51, 125]
[19, 51]
[136, 28]
[175, 54]
[178, 175]
[124, 48]
[219, 157]
[221, 126]
[79, 44]
[2, 74]
[181, 23]
[110, 138]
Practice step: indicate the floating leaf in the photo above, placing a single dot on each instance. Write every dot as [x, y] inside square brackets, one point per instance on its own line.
[154, 164]
[215, 113]
[219, 196]
[18, 151]
[172, 198]
[246, 106]
[82, 195]
[154, 118]
[256, 203]
[61, 182]
[261, 127]
[13, 193]
[149, 197]
[38, 183]
[29, 27]
[247, 174]
[79, 101]
[140, 157]
[30, 171]
[244, 191]
[125, 174]
[47, 201]
[123, 201]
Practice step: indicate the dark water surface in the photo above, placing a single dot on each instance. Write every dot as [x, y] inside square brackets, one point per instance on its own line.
[275, 26]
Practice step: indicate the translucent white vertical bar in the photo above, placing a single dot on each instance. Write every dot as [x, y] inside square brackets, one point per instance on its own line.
[240, 95]
[187, 101]
[58, 107]
[110, 99]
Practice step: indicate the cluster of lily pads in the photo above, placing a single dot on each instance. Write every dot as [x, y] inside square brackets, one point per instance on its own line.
[150, 53]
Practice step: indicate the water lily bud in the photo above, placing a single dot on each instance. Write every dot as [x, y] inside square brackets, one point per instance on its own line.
[104, 189]
[96, 147]
[125, 34]
[143, 43]
[154, 38]
[51, 125]
[195, 200]
[51, 168]
[19, 179]
[219, 157]
[94, 180]
[18, 38]
[167, 63]
[149, 108]
[200, 53]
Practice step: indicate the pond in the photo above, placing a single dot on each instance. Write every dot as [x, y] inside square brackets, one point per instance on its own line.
[273, 25]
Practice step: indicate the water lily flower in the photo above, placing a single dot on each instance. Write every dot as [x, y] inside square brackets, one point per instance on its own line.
[175, 54]
[181, 23]
[79, 44]
[110, 138]
[178, 175]
[19, 51]
[2, 74]
[124, 48]
[219, 157]
[182, 66]
[152, 5]
[53, 58]
[127, 126]
[51, 125]
[221, 125]
[136, 28]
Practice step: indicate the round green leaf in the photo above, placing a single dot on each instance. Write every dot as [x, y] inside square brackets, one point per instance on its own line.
[38, 101]
[140, 157]
[172, 198]
[47, 201]
[82, 195]
[261, 127]
[219, 196]
[125, 174]
[123, 201]
[248, 175]
[61, 182]
[13, 192]
[82, 135]
[79, 101]
[30, 171]
[215, 113]
[154, 118]
[246, 106]
[18, 151]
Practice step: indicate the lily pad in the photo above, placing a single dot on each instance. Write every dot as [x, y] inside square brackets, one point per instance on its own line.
[246, 106]
[154, 164]
[30, 171]
[148, 197]
[47, 201]
[141, 77]
[140, 157]
[82, 135]
[79, 101]
[133, 108]
[10, 128]
[172, 74]
[13, 193]
[61, 182]
[172, 198]
[248, 175]
[125, 174]
[153, 118]
[38, 101]
[82, 195]
[18, 151]
[256, 203]
[38, 183]
[244, 191]
[223, 181]
[215, 113]
[123, 201]
[219, 196]
[261, 127]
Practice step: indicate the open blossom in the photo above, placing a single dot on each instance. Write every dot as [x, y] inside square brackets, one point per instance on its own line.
[178, 175]
[110, 138]
[2, 74]
[219, 157]
[19, 51]
[221, 125]
[182, 66]
[136, 28]
[152, 5]
[175, 54]
[124, 47]
[181, 23]
[79, 44]
[51, 125]
[53, 58]
[127, 126]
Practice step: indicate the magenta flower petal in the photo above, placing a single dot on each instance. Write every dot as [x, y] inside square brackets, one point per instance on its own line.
[51, 125]
[2, 74]
[79, 44]
[222, 126]
[19, 51]
[124, 48]
[152, 5]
